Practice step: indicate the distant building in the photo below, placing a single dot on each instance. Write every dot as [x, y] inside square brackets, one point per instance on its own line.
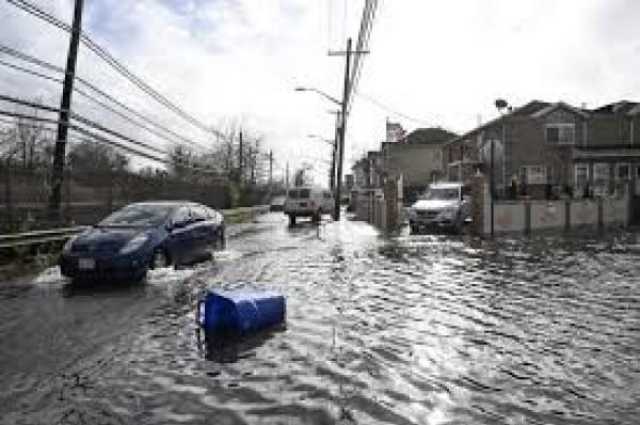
[417, 158]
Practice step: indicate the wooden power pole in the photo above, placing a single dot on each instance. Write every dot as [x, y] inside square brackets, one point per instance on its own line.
[343, 125]
[59, 155]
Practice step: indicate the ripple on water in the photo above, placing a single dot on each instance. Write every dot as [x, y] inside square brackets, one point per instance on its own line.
[412, 330]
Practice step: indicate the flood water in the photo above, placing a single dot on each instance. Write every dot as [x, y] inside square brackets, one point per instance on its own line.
[404, 330]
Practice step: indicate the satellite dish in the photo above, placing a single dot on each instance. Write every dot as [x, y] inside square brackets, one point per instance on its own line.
[501, 104]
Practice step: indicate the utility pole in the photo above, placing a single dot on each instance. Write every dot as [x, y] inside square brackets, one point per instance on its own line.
[287, 176]
[240, 161]
[332, 179]
[343, 125]
[270, 167]
[59, 155]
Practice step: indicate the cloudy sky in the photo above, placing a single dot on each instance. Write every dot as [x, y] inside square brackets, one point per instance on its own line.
[440, 63]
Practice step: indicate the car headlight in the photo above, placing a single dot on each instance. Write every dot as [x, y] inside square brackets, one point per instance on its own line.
[448, 213]
[134, 244]
[69, 244]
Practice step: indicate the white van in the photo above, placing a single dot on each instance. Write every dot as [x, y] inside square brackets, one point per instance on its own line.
[308, 202]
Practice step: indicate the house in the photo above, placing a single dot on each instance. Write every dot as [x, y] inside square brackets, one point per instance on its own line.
[612, 151]
[417, 158]
[543, 149]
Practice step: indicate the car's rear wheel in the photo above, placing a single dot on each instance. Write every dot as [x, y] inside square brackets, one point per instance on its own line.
[160, 259]
[222, 240]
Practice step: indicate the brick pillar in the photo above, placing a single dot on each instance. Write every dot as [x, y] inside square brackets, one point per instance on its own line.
[478, 194]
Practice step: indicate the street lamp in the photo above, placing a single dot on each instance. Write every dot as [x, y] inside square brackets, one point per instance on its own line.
[322, 139]
[321, 93]
[338, 148]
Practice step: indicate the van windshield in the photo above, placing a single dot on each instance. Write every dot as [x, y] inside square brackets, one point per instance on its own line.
[441, 194]
[299, 193]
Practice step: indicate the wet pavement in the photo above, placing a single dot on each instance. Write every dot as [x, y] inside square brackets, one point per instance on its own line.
[404, 330]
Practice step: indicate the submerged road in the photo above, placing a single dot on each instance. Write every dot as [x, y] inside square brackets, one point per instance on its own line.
[403, 330]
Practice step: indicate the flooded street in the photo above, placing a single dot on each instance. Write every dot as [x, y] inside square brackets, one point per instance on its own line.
[408, 330]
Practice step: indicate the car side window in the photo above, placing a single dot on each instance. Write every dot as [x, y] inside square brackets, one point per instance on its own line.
[181, 216]
[199, 213]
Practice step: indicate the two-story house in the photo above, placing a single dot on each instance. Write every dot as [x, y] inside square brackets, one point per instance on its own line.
[548, 148]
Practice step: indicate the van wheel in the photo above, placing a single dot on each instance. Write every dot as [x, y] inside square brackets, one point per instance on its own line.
[292, 220]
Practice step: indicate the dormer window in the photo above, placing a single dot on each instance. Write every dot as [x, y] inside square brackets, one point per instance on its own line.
[560, 134]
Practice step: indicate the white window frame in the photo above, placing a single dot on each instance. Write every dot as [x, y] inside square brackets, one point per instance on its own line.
[596, 176]
[584, 166]
[559, 126]
[620, 165]
[528, 171]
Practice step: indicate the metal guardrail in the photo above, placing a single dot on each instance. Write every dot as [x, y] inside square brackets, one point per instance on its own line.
[15, 240]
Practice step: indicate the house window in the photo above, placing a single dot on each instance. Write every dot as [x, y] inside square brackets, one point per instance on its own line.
[601, 171]
[582, 174]
[562, 134]
[623, 171]
[534, 174]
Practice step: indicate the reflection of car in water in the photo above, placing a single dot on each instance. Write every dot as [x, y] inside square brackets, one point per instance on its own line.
[142, 236]
[308, 202]
[277, 203]
[442, 206]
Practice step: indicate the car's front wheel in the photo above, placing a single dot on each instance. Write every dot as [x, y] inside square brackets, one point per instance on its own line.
[160, 259]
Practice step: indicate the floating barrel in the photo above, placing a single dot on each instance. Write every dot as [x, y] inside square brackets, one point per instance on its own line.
[240, 312]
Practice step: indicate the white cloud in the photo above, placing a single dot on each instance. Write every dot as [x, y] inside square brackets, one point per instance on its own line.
[442, 62]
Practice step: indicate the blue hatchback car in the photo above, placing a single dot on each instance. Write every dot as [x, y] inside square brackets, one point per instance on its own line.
[143, 236]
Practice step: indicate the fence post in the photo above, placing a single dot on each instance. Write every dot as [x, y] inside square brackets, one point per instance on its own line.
[600, 213]
[478, 201]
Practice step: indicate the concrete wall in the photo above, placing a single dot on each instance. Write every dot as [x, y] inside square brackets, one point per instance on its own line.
[546, 215]
[584, 213]
[529, 216]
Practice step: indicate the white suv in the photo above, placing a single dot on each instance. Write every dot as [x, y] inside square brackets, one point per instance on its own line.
[442, 206]
[308, 202]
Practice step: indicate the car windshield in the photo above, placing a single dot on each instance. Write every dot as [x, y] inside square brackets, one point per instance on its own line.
[139, 215]
[444, 194]
[299, 193]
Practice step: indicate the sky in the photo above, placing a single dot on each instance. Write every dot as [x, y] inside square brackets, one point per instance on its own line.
[431, 63]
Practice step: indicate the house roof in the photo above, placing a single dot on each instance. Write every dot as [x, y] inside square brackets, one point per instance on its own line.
[431, 135]
[535, 109]
[527, 109]
[559, 105]
[623, 106]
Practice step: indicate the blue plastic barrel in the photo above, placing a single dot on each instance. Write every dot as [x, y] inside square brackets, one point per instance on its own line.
[240, 312]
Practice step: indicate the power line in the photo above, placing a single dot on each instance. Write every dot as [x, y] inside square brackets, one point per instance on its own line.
[101, 139]
[103, 54]
[391, 110]
[33, 60]
[81, 119]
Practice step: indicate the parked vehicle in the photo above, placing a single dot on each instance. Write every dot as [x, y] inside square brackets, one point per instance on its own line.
[143, 236]
[443, 206]
[308, 202]
[277, 203]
